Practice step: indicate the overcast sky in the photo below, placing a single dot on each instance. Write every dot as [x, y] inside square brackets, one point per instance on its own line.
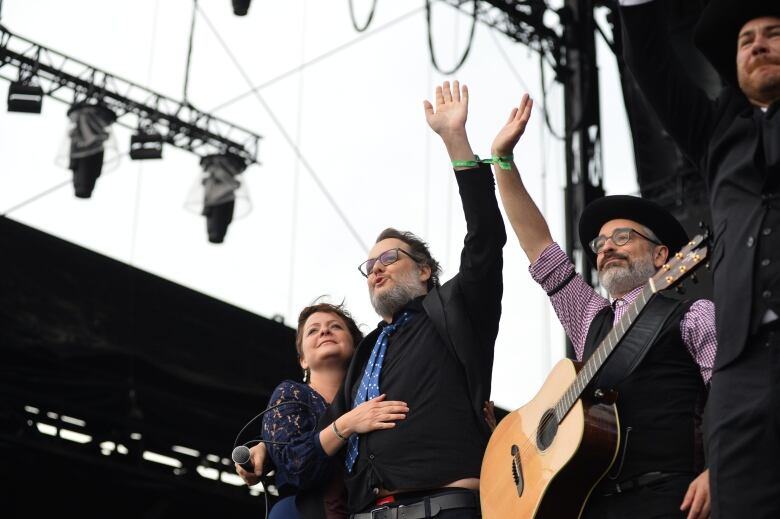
[355, 117]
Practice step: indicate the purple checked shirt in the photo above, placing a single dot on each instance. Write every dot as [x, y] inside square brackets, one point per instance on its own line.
[576, 304]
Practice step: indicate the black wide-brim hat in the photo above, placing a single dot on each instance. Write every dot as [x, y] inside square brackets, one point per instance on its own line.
[665, 226]
[718, 28]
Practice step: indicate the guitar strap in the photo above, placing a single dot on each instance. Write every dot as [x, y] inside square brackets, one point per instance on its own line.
[635, 343]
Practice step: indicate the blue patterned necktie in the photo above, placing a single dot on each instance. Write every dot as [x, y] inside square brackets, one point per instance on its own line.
[369, 384]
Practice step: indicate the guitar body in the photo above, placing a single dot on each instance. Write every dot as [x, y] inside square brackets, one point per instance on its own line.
[556, 481]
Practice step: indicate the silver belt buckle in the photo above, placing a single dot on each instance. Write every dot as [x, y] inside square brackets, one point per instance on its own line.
[381, 508]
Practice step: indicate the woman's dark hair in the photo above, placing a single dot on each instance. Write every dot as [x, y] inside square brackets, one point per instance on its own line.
[418, 249]
[328, 308]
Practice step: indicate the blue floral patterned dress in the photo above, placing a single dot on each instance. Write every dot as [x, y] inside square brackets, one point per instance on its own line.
[299, 460]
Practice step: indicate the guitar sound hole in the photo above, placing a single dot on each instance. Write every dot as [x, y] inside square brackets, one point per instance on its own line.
[547, 429]
[517, 470]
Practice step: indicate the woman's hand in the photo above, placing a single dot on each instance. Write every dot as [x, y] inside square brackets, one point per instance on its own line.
[257, 455]
[372, 415]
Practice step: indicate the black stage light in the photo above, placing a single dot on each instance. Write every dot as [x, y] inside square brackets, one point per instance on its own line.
[24, 97]
[90, 127]
[146, 145]
[241, 7]
[218, 217]
[219, 192]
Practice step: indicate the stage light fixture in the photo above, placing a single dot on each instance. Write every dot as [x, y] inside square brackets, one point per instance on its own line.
[241, 7]
[146, 144]
[89, 130]
[220, 184]
[25, 97]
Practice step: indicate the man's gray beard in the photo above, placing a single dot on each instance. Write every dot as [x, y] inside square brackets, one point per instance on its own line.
[620, 280]
[404, 290]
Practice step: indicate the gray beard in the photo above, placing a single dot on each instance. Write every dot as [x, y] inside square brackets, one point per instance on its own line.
[392, 300]
[620, 280]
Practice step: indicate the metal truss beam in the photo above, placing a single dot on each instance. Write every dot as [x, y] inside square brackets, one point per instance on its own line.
[71, 81]
[521, 20]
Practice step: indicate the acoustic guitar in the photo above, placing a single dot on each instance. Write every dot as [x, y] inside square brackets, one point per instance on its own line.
[544, 459]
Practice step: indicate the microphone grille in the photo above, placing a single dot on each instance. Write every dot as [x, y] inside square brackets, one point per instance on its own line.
[240, 454]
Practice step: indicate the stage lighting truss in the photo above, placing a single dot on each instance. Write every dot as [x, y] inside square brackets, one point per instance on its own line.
[71, 81]
[523, 21]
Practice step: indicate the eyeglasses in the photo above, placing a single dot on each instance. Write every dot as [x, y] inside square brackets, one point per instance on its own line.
[388, 257]
[620, 236]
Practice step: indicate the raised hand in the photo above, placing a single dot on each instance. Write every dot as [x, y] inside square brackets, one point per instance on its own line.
[452, 109]
[527, 221]
[505, 141]
[448, 119]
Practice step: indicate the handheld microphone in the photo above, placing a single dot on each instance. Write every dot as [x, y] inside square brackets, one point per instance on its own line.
[241, 454]
[242, 457]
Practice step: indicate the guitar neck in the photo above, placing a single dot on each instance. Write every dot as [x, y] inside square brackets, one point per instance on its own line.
[604, 350]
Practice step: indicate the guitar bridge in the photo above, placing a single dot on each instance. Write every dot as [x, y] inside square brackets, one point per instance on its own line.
[517, 470]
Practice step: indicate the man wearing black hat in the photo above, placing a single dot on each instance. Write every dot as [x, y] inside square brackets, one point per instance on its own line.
[735, 140]
[657, 471]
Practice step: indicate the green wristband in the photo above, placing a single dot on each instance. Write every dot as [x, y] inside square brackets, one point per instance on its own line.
[502, 162]
[465, 163]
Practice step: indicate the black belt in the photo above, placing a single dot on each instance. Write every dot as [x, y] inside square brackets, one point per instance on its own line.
[648, 478]
[427, 507]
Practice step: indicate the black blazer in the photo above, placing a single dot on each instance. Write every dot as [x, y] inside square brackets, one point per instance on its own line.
[465, 310]
[736, 148]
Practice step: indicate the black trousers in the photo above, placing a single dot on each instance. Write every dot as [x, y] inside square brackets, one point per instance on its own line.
[657, 500]
[744, 446]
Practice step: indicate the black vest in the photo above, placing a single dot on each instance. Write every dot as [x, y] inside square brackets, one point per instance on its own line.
[659, 404]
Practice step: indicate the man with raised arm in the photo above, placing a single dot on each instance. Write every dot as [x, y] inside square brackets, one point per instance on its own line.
[658, 470]
[735, 141]
[433, 350]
